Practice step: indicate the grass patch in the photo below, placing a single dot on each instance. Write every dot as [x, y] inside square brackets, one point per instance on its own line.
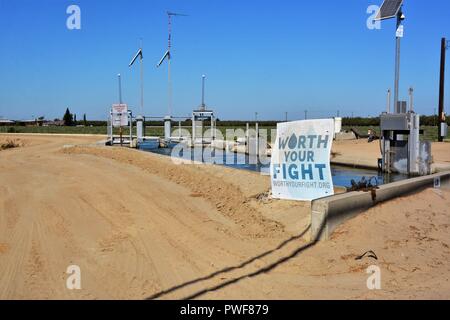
[430, 132]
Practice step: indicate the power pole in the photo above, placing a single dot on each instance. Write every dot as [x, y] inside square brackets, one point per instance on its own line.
[286, 114]
[442, 89]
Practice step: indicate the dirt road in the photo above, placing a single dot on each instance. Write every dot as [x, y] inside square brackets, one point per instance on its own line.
[141, 227]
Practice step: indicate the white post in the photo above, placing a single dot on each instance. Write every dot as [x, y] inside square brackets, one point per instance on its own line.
[140, 128]
[257, 141]
[167, 128]
[130, 118]
[111, 127]
[193, 130]
[247, 139]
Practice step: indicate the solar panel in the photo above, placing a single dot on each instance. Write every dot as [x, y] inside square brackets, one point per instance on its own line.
[389, 9]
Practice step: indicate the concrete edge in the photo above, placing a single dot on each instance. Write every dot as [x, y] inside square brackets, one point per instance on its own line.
[328, 213]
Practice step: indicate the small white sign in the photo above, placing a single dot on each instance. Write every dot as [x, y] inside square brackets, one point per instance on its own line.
[300, 166]
[437, 183]
[119, 115]
[400, 30]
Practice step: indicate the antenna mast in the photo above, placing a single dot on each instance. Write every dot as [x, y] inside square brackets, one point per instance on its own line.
[168, 56]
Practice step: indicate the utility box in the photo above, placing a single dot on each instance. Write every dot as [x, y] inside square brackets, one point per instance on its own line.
[394, 122]
[401, 148]
[443, 130]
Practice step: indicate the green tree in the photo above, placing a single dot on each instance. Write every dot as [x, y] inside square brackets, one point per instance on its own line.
[68, 118]
[84, 120]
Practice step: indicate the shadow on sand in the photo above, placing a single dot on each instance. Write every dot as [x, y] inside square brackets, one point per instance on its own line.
[243, 264]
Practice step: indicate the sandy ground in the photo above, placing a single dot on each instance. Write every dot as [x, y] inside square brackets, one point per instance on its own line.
[141, 227]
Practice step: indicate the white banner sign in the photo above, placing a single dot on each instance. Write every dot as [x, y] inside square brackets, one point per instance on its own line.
[120, 115]
[300, 166]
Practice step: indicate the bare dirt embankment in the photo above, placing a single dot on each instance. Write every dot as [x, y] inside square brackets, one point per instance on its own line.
[140, 226]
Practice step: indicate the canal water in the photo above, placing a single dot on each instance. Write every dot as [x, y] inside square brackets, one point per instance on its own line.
[342, 176]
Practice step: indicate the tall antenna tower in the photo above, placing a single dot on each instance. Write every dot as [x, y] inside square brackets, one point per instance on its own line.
[168, 56]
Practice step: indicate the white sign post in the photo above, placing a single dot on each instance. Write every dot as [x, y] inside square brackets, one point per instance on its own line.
[300, 166]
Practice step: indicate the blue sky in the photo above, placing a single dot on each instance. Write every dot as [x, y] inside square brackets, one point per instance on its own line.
[267, 56]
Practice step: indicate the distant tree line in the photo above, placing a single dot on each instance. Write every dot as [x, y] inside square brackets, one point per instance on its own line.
[375, 122]
[70, 119]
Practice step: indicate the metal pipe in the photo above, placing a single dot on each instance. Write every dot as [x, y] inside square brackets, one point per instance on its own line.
[411, 99]
[120, 88]
[141, 63]
[388, 102]
[257, 141]
[203, 92]
[247, 138]
[169, 87]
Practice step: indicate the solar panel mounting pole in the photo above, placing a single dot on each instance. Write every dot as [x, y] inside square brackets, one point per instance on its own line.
[388, 10]
[397, 60]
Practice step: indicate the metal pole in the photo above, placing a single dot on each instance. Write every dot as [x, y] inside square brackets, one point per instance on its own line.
[247, 138]
[411, 99]
[306, 114]
[203, 92]
[442, 89]
[169, 87]
[397, 63]
[257, 141]
[120, 88]
[130, 117]
[388, 102]
[141, 63]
